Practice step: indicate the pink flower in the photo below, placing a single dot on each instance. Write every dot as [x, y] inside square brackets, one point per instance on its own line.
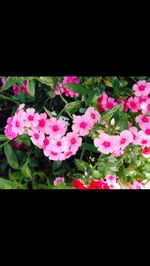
[111, 181]
[134, 132]
[18, 125]
[141, 88]
[133, 104]
[147, 185]
[126, 138]
[102, 99]
[108, 104]
[54, 156]
[43, 123]
[58, 144]
[66, 91]
[3, 80]
[31, 118]
[36, 137]
[92, 115]
[136, 185]
[68, 154]
[81, 125]
[57, 127]
[145, 106]
[59, 180]
[17, 89]
[147, 131]
[9, 133]
[74, 141]
[143, 121]
[105, 143]
[57, 92]
[143, 139]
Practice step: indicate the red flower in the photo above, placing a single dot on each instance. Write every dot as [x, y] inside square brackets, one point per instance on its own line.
[98, 185]
[77, 184]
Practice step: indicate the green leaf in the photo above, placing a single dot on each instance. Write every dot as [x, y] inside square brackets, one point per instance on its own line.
[11, 81]
[26, 171]
[61, 185]
[116, 85]
[56, 165]
[89, 147]
[77, 88]
[82, 165]
[6, 184]
[24, 139]
[3, 137]
[31, 87]
[3, 97]
[72, 107]
[46, 80]
[11, 157]
[48, 112]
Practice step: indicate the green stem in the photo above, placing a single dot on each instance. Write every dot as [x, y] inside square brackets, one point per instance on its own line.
[4, 143]
[63, 99]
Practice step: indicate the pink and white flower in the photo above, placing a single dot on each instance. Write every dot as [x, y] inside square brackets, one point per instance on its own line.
[59, 180]
[133, 104]
[31, 118]
[126, 138]
[81, 125]
[74, 141]
[136, 185]
[18, 125]
[143, 121]
[141, 88]
[145, 107]
[92, 115]
[36, 137]
[43, 123]
[57, 127]
[105, 143]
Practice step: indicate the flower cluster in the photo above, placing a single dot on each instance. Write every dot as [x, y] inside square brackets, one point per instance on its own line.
[134, 104]
[66, 91]
[50, 134]
[115, 144]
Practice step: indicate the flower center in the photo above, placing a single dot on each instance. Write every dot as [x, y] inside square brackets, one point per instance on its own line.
[46, 142]
[93, 116]
[73, 141]
[17, 124]
[133, 104]
[59, 143]
[144, 141]
[30, 117]
[148, 107]
[36, 136]
[123, 140]
[141, 87]
[53, 153]
[83, 125]
[109, 105]
[106, 144]
[41, 123]
[144, 119]
[147, 131]
[55, 128]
